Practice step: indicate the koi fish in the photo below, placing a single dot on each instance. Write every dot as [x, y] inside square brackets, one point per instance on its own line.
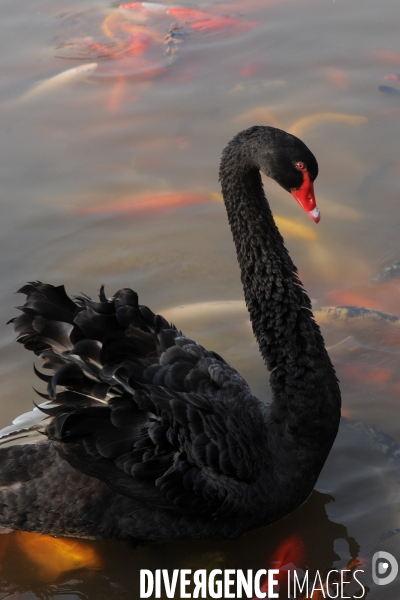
[337, 210]
[111, 24]
[291, 229]
[390, 91]
[235, 309]
[343, 348]
[300, 126]
[137, 44]
[366, 324]
[48, 86]
[135, 39]
[114, 24]
[390, 272]
[347, 414]
[249, 70]
[117, 95]
[196, 19]
[382, 297]
[350, 298]
[189, 15]
[130, 43]
[222, 24]
[338, 78]
[288, 553]
[200, 21]
[388, 57]
[392, 77]
[54, 556]
[353, 314]
[141, 11]
[205, 320]
[145, 10]
[145, 205]
[367, 375]
[260, 115]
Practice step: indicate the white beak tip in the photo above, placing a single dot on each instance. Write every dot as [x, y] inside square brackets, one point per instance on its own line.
[315, 214]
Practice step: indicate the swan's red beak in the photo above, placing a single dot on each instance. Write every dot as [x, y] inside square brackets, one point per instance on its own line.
[305, 197]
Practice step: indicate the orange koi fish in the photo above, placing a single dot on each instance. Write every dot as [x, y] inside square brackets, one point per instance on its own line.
[350, 298]
[54, 556]
[189, 15]
[384, 296]
[146, 205]
[388, 57]
[250, 69]
[137, 44]
[143, 10]
[196, 19]
[114, 24]
[289, 552]
[371, 375]
[338, 78]
[149, 9]
[223, 24]
[118, 94]
[392, 77]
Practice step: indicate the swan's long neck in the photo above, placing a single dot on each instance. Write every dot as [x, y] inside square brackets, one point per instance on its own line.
[302, 377]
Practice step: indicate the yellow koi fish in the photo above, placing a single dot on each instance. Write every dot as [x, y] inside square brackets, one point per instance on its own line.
[291, 229]
[300, 126]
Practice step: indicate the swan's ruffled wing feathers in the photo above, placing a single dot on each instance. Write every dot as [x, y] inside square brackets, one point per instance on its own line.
[139, 405]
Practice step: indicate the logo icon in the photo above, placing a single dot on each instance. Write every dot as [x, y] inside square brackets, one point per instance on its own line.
[384, 568]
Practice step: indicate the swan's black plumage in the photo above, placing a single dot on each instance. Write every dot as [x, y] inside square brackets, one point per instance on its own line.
[148, 435]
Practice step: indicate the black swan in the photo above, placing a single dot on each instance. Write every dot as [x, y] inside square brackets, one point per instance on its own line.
[145, 435]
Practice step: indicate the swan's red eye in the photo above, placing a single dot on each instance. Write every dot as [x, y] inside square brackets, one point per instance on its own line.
[300, 166]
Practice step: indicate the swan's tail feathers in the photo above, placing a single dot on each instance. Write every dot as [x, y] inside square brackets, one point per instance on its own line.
[95, 350]
[110, 329]
[47, 318]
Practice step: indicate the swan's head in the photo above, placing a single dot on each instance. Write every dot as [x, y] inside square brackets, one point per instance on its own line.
[290, 163]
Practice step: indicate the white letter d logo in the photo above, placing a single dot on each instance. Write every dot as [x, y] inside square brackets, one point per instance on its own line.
[384, 568]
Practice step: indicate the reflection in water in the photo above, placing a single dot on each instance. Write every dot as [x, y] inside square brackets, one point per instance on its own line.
[255, 550]
[363, 458]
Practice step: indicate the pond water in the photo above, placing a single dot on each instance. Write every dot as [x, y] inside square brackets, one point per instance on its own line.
[111, 176]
